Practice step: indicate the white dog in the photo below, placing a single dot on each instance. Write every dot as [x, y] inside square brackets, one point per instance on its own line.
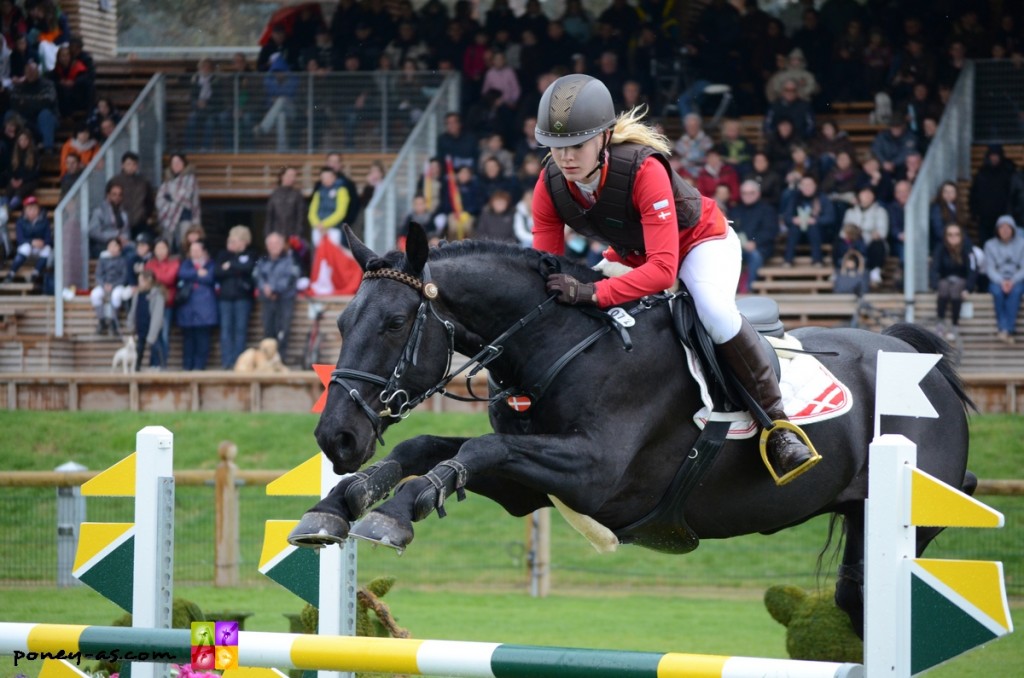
[125, 356]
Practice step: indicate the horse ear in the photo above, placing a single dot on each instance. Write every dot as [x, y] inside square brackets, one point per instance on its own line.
[416, 248]
[361, 252]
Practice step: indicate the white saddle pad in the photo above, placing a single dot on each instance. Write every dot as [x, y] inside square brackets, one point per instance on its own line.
[810, 392]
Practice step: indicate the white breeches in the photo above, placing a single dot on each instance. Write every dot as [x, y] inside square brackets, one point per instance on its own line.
[26, 250]
[118, 295]
[711, 272]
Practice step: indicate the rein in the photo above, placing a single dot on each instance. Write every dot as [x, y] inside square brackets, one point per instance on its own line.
[396, 402]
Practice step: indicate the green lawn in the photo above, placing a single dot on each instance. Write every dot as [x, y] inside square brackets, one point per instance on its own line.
[464, 577]
[477, 545]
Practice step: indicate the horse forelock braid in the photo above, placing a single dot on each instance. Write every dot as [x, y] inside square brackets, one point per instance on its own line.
[389, 260]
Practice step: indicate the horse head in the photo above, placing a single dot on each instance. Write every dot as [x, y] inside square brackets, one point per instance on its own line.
[395, 349]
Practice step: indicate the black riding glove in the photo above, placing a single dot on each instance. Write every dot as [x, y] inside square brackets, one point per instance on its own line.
[570, 290]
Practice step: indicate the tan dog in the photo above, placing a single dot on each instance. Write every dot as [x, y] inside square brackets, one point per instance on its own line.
[262, 359]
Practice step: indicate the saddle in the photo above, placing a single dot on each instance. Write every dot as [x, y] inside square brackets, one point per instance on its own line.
[761, 312]
[665, 528]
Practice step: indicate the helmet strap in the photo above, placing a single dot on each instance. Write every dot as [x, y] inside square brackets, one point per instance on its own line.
[600, 155]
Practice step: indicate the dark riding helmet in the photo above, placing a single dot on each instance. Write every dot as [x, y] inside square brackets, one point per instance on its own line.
[574, 108]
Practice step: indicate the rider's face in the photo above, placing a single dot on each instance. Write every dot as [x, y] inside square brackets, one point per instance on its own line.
[576, 162]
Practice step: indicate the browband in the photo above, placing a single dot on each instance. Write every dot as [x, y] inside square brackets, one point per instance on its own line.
[427, 289]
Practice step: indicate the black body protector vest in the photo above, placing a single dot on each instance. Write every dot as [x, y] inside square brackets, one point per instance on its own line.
[613, 219]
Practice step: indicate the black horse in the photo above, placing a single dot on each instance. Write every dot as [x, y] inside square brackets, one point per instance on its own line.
[608, 428]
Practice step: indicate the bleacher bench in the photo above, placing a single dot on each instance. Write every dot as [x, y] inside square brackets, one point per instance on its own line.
[226, 175]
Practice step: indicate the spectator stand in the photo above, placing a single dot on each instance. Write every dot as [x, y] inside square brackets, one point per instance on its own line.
[255, 175]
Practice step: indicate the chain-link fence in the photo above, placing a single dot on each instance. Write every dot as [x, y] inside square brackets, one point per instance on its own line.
[477, 545]
[393, 198]
[999, 102]
[277, 112]
[289, 112]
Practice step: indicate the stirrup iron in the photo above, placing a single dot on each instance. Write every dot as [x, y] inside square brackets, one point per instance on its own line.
[799, 470]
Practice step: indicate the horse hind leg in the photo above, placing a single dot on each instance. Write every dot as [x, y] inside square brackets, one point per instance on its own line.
[849, 594]
[329, 521]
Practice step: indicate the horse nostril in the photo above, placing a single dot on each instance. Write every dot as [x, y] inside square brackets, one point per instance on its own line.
[346, 444]
[343, 453]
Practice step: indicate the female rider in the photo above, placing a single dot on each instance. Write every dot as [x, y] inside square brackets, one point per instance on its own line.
[609, 179]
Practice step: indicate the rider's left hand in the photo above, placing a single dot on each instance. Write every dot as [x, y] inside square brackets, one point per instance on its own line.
[570, 290]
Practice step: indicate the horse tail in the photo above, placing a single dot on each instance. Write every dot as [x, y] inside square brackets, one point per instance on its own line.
[923, 341]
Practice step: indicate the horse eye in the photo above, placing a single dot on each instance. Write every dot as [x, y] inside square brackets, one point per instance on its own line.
[396, 323]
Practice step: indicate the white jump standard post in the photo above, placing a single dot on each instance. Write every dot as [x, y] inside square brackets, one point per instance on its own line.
[920, 612]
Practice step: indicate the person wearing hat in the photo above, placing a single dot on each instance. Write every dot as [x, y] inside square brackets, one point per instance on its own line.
[989, 190]
[608, 178]
[138, 259]
[1004, 265]
[35, 239]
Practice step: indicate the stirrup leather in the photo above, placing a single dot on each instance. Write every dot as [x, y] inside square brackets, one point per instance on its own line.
[799, 470]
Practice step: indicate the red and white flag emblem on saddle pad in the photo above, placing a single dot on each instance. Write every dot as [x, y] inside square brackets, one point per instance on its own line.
[810, 392]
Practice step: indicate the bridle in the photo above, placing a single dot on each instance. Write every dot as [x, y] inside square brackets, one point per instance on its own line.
[397, 404]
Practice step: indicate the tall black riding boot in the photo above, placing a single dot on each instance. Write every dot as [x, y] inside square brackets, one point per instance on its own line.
[745, 356]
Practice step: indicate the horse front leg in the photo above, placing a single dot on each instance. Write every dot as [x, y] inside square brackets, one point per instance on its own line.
[542, 465]
[329, 521]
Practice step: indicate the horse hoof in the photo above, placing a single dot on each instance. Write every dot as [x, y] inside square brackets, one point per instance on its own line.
[317, 530]
[380, 528]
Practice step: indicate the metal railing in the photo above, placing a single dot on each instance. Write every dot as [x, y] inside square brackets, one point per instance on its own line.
[998, 102]
[393, 198]
[142, 131]
[297, 112]
[948, 159]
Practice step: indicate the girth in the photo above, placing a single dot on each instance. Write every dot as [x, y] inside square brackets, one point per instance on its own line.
[665, 528]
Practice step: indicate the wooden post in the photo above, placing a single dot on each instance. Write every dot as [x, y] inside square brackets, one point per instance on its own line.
[227, 547]
[539, 552]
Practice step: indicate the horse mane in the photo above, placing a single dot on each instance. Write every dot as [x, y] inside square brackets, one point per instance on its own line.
[488, 248]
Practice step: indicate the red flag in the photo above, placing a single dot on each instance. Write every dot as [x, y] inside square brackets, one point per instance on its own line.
[460, 218]
[334, 271]
[324, 372]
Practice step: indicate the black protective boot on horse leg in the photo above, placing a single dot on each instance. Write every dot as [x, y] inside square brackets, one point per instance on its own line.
[391, 524]
[785, 447]
[330, 520]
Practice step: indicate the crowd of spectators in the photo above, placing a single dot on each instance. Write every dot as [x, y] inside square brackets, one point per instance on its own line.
[47, 81]
[140, 230]
[502, 59]
[798, 178]
[793, 67]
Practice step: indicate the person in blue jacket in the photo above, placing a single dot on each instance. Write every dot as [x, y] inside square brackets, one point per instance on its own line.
[35, 239]
[197, 315]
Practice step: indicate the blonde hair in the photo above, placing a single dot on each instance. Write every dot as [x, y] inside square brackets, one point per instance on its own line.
[630, 128]
[241, 233]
